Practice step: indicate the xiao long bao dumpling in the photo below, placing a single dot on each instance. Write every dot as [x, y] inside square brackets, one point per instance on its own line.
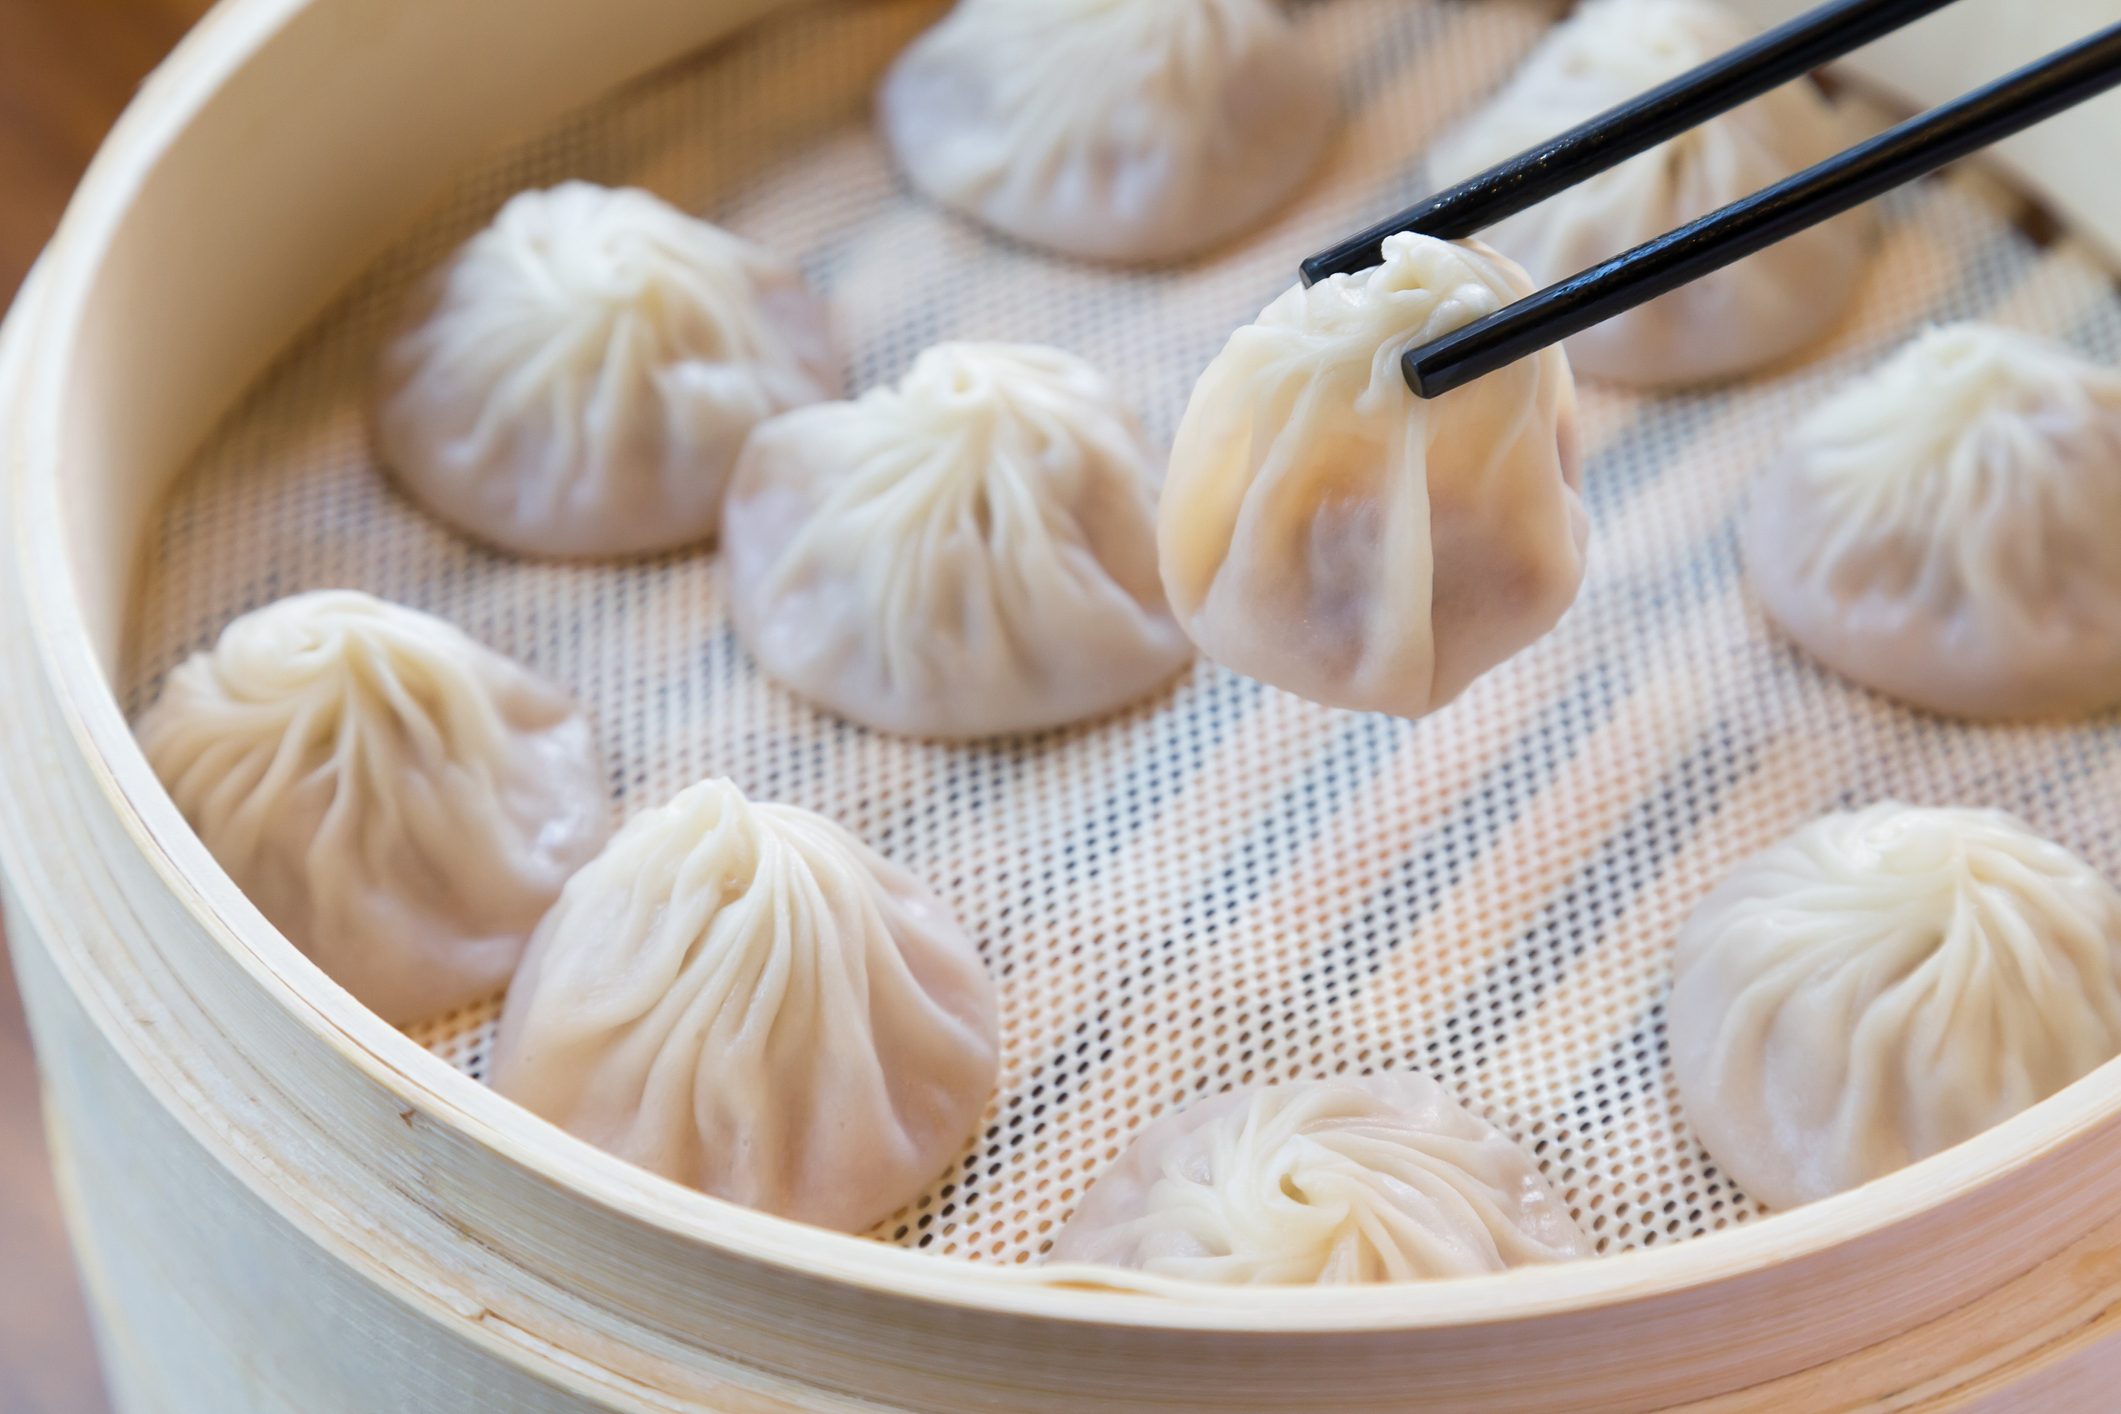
[746, 999]
[969, 553]
[580, 376]
[1882, 985]
[1948, 529]
[1740, 318]
[402, 802]
[1382, 1178]
[1130, 130]
[1326, 531]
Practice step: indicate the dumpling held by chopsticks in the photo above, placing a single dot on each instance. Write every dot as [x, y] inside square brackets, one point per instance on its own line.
[1326, 531]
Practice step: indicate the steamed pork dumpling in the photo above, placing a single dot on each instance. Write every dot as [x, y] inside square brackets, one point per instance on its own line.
[1740, 318]
[402, 802]
[579, 378]
[746, 999]
[1326, 531]
[1383, 1178]
[1113, 129]
[1882, 985]
[968, 553]
[1948, 529]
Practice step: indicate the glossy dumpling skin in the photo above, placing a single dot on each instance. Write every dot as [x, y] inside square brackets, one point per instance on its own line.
[968, 553]
[746, 999]
[578, 379]
[1124, 130]
[1744, 317]
[1882, 985]
[1381, 1178]
[1947, 529]
[1324, 530]
[400, 801]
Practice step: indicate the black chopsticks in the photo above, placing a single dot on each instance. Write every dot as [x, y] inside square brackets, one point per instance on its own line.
[1921, 145]
[1636, 126]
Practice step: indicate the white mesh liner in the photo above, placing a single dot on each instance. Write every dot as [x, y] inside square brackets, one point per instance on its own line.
[1224, 884]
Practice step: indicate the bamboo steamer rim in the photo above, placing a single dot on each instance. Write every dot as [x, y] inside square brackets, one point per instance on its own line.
[44, 330]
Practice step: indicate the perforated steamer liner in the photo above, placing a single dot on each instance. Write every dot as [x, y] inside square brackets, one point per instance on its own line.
[282, 1204]
[1225, 884]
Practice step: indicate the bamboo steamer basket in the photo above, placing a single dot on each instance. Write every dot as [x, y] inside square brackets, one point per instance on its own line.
[281, 1203]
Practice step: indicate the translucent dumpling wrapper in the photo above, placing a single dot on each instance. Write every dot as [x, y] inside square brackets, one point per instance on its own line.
[1948, 529]
[1382, 1178]
[401, 802]
[1325, 530]
[746, 999]
[1882, 985]
[970, 552]
[1741, 318]
[1127, 130]
[578, 379]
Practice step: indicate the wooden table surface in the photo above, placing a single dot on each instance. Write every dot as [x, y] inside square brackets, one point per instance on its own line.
[66, 69]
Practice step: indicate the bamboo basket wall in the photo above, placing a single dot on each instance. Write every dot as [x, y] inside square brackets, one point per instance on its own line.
[280, 1203]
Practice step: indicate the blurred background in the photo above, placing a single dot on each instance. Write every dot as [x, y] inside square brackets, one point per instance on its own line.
[66, 69]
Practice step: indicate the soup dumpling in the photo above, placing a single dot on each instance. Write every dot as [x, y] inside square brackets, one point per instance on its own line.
[746, 999]
[402, 802]
[1325, 530]
[578, 379]
[1947, 529]
[968, 553]
[1882, 985]
[1127, 130]
[1381, 1178]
